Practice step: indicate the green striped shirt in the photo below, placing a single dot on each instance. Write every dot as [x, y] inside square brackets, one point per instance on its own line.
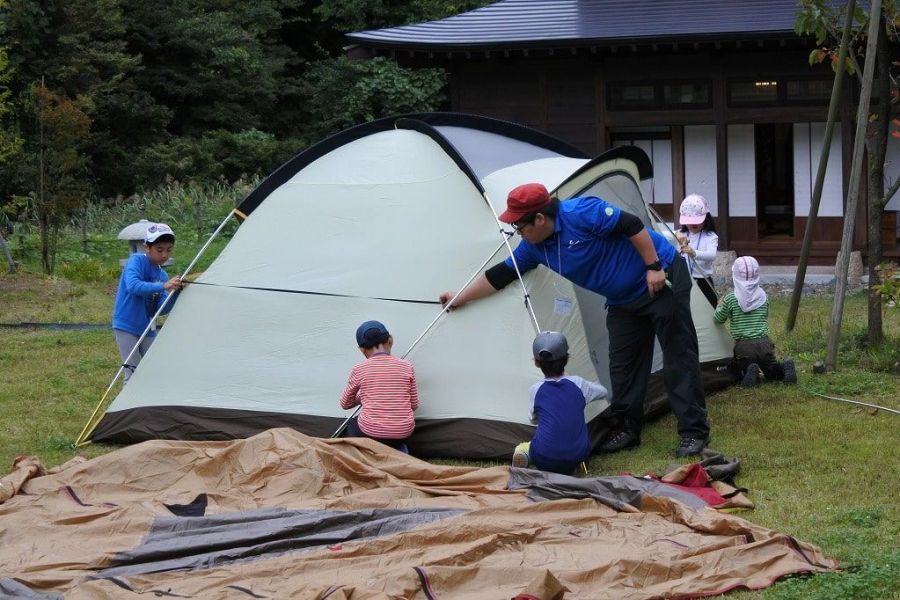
[744, 325]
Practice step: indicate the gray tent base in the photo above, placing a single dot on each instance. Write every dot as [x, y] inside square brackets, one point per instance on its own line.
[433, 438]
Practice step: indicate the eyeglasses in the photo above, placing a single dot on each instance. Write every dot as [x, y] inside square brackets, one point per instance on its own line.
[523, 222]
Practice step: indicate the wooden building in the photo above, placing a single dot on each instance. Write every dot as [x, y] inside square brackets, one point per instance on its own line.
[719, 94]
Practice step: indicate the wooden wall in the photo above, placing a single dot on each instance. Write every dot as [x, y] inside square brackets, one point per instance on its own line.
[565, 95]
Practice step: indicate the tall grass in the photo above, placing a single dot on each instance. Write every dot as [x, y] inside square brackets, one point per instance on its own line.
[88, 249]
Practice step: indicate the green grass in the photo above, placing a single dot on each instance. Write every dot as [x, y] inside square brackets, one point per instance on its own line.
[823, 471]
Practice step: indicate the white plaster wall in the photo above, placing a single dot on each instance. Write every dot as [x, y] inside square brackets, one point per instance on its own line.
[741, 171]
[700, 163]
[808, 138]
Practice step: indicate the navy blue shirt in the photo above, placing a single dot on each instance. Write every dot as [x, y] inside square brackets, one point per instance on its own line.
[558, 407]
[584, 250]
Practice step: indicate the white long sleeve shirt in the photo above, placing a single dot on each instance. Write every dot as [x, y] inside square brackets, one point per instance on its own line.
[705, 244]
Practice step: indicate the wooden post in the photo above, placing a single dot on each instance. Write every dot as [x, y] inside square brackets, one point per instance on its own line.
[833, 107]
[862, 112]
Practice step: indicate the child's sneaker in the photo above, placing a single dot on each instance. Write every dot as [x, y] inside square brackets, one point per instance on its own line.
[790, 371]
[520, 455]
[751, 376]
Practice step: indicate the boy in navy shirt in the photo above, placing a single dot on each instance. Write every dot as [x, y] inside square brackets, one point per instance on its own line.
[560, 442]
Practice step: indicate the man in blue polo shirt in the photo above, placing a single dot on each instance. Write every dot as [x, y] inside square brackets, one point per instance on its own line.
[606, 250]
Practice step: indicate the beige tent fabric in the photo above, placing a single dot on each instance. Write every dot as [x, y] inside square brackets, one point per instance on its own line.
[62, 528]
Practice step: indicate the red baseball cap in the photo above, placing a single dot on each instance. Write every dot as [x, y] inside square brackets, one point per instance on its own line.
[523, 200]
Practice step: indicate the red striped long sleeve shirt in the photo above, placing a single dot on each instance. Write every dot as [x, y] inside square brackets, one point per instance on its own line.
[385, 387]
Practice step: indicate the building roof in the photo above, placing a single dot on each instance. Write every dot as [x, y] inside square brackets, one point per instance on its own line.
[514, 24]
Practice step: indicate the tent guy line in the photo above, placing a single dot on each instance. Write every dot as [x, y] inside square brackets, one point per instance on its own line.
[311, 293]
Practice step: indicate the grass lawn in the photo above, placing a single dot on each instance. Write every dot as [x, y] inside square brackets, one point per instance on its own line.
[823, 471]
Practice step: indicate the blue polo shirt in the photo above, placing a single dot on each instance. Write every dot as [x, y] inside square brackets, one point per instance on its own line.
[584, 250]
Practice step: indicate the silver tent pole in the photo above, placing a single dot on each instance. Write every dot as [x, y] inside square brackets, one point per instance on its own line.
[444, 310]
[506, 235]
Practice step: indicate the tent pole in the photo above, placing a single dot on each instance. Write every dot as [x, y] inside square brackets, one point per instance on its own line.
[346, 422]
[93, 420]
[506, 235]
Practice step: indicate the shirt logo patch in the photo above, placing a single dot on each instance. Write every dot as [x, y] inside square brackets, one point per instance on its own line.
[573, 243]
[609, 211]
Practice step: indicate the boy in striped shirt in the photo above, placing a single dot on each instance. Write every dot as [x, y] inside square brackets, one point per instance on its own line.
[384, 386]
[748, 308]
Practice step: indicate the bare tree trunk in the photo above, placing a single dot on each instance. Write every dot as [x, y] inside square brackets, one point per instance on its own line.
[7, 254]
[865, 94]
[816, 199]
[44, 221]
[876, 144]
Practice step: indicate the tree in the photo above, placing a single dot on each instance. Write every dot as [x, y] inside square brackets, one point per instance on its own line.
[57, 164]
[821, 19]
[78, 48]
[368, 89]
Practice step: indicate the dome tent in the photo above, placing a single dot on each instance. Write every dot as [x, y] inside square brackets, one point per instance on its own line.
[374, 223]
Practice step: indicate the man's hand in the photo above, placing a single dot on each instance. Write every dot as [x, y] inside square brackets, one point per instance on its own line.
[656, 280]
[446, 297]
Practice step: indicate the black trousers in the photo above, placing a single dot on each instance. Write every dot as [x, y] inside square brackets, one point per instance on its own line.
[632, 328]
[760, 351]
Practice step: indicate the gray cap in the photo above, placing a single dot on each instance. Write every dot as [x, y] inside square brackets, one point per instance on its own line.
[550, 345]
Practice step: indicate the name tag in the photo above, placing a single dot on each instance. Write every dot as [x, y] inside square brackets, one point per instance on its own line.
[563, 306]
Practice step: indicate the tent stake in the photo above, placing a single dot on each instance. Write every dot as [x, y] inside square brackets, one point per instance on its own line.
[93, 420]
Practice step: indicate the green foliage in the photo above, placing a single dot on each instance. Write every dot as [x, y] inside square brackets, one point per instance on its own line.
[889, 288]
[345, 92]
[86, 270]
[216, 65]
[190, 91]
[10, 143]
[874, 580]
[215, 154]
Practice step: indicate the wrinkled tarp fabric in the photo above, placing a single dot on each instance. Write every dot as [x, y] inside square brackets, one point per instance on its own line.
[477, 539]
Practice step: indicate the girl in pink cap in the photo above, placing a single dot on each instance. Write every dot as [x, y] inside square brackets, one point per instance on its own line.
[698, 242]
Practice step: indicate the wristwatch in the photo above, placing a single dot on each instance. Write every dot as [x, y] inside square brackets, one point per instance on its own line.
[654, 266]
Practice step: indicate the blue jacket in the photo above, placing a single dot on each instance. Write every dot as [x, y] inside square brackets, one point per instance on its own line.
[139, 295]
[584, 250]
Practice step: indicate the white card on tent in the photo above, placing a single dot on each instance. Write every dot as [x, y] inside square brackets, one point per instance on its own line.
[563, 306]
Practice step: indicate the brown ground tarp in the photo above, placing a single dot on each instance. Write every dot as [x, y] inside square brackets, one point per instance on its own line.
[283, 515]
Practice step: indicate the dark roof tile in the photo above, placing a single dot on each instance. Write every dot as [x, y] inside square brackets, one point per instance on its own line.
[523, 23]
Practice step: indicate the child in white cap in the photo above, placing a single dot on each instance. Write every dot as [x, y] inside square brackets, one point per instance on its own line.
[748, 309]
[560, 442]
[698, 242]
[143, 287]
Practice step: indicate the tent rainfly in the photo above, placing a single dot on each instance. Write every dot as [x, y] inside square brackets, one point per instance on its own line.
[374, 223]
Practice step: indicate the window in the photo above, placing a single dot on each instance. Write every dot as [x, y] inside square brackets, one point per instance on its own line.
[629, 96]
[686, 94]
[808, 90]
[673, 94]
[759, 91]
[778, 92]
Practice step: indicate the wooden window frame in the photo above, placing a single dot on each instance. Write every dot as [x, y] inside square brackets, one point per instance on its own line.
[658, 95]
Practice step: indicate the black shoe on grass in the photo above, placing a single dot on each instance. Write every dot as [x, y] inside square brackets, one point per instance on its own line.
[790, 371]
[751, 376]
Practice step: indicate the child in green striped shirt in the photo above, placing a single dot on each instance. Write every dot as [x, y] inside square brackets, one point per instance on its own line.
[748, 308]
